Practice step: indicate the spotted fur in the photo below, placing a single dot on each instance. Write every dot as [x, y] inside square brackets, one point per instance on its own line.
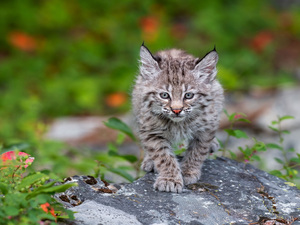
[176, 73]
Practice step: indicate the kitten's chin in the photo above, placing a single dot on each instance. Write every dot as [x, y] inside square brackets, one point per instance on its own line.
[177, 119]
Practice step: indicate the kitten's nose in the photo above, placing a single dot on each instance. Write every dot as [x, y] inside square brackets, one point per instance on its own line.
[176, 111]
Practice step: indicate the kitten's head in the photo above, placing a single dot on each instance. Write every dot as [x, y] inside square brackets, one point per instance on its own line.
[178, 85]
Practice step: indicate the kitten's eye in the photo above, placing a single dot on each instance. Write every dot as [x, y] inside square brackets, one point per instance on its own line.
[189, 95]
[164, 95]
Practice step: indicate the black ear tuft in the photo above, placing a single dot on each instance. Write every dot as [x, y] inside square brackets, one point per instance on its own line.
[199, 60]
[149, 67]
[205, 68]
[156, 58]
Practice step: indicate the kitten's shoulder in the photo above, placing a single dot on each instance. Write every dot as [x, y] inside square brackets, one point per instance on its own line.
[174, 54]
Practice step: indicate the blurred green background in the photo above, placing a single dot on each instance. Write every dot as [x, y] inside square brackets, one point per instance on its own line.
[76, 57]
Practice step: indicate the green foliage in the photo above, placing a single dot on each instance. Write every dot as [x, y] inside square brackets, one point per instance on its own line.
[27, 199]
[233, 118]
[249, 152]
[286, 172]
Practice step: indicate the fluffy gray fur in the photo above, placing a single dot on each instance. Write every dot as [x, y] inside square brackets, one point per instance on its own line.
[163, 122]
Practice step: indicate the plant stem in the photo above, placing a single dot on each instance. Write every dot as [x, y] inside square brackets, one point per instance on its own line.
[13, 175]
[281, 143]
[227, 139]
[291, 166]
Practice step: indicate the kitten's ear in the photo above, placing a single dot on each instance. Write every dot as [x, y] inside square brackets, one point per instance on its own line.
[149, 64]
[205, 69]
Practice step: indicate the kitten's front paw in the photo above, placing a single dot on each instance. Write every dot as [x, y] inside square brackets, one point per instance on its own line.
[215, 146]
[147, 165]
[191, 177]
[169, 184]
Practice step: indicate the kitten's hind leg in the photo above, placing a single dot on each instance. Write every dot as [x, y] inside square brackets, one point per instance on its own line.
[147, 164]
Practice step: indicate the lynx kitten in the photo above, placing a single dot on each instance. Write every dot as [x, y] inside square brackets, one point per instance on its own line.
[176, 97]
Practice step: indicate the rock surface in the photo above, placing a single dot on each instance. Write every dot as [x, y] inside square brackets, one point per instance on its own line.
[228, 193]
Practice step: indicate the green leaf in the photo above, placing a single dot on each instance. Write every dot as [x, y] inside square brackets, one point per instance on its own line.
[179, 151]
[130, 158]
[255, 157]
[126, 168]
[275, 146]
[243, 120]
[111, 147]
[240, 134]
[231, 117]
[247, 152]
[112, 153]
[273, 128]
[59, 188]
[50, 190]
[286, 132]
[276, 173]
[120, 138]
[242, 114]
[279, 160]
[117, 124]
[220, 143]
[3, 188]
[226, 113]
[295, 172]
[42, 198]
[232, 154]
[274, 122]
[286, 118]
[50, 184]
[122, 173]
[230, 132]
[11, 210]
[70, 214]
[259, 146]
[241, 149]
[296, 160]
[29, 180]
[16, 147]
[291, 150]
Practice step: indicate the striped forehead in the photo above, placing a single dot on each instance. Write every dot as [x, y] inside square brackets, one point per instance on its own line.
[175, 72]
[184, 87]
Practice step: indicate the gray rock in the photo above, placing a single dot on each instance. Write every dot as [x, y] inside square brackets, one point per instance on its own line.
[91, 212]
[228, 193]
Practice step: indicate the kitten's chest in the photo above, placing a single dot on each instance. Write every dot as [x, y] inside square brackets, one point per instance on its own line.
[179, 132]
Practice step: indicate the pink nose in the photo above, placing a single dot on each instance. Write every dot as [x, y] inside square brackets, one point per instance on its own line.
[176, 111]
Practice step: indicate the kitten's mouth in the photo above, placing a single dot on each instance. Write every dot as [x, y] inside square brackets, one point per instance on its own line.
[176, 118]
